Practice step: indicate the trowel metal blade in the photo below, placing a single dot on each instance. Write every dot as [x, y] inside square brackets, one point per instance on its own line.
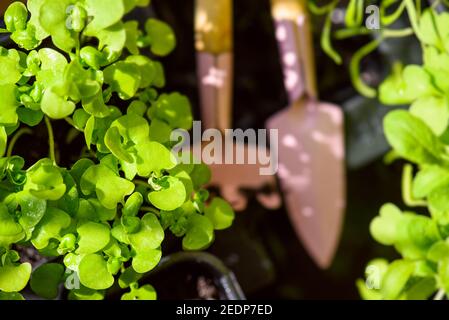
[312, 174]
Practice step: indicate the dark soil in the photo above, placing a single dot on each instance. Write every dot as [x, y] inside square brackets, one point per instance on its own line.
[30, 255]
[185, 280]
[206, 289]
[261, 247]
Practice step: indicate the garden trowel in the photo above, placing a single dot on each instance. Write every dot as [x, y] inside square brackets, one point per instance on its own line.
[214, 46]
[311, 143]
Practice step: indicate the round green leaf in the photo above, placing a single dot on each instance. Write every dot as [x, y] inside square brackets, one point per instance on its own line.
[32, 209]
[10, 70]
[434, 111]
[46, 279]
[45, 181]
[147, 69]
[52, 66]
[105, 13]
[133, 204]
[128, 277]
[161, 36]
[30, 117]
[146, 292]
[439, 204]
[153, 157]
[79, 168]
[50, 226]
[160, 131]
[169, 198]
[80, 118]
[220, 213]
[133, 128]
[146, 260]
[200, 233]
[108, 186]
[92, 237]
[92, 57]
[138, 107]
[384, 228]
[150, 235]
[14, 278]
[174, 109]
[112, 139]
[396, 278]
[411, 138]
[53, 19]
[8, 104]
[16, 17]
[438, 251]
[84, 293]
[10, 230]
[132, 36]
[124, 78]
[11, 296]
[94, 274]
[70, 201]
[34, 6]
[112, 40]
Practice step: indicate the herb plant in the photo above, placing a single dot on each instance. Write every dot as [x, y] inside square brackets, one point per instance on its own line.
[419, 135]
[104, 217]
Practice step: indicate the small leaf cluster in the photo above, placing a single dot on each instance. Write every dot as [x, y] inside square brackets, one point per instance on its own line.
[105, 216]
[420, 136]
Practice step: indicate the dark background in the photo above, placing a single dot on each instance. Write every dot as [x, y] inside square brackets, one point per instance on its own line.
[261, 248]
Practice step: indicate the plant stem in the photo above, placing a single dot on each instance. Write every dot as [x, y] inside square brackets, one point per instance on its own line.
[326, 43]
[354, 68]
[407, 194]
[351, 32]
[16, 137]
[389, 33]
[440, 295]
[152, 210]
[323, 9]
[413, 17]
[70, 121]
[51, 140]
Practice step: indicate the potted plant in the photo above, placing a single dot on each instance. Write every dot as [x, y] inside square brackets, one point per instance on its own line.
[79, 67]
[419, 136]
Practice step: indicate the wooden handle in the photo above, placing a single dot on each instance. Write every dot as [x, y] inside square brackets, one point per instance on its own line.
[287, 9]
[295, 40]
[214, 39]
[213, 26]
[215, 76]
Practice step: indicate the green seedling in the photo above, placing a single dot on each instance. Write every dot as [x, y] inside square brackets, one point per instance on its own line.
[106, 216]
